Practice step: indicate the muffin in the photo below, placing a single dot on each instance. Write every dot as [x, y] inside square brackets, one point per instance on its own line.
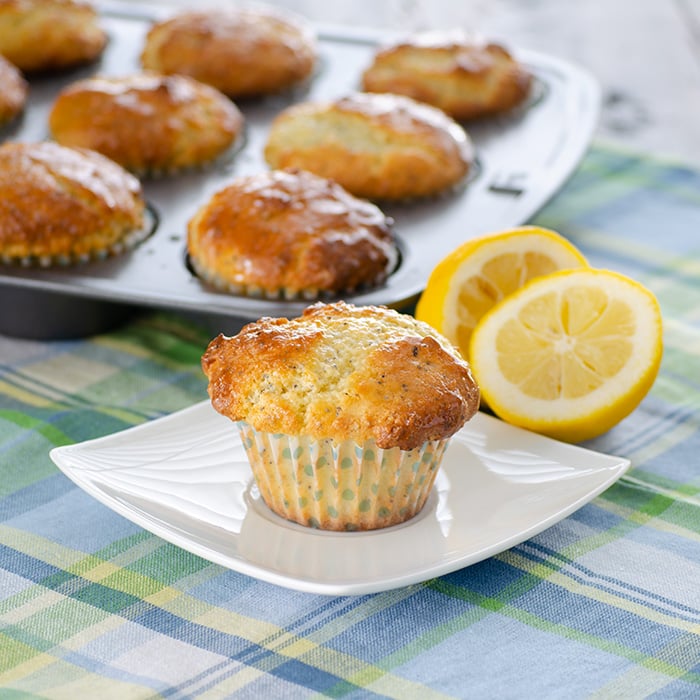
[243, 52]
[290, 233]
[49, 35]
[344, 412]
[13, 92]
[466, 78]
[61, 205]
[146, 122]
[377, 146]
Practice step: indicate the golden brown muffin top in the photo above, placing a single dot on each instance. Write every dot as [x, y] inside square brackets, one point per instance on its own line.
[46, 35]
[464, 76]
[379, 146]
[57, 201]
[240, 51]
[13, 91]
[293, 231]
[344, 372]
[146, 121]
[398, 118]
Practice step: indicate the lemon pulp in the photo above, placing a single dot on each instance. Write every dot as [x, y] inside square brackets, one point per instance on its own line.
[570, 354]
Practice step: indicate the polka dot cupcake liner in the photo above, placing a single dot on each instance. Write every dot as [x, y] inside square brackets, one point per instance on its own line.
[340, 485]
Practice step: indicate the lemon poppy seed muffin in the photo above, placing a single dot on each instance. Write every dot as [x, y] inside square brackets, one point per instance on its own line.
[292, 234]
[344, 412]
[61, 205]
[13, 92]
[465, 77]
[49, 35]
[378, 146]
[243, 52]
[146, 122]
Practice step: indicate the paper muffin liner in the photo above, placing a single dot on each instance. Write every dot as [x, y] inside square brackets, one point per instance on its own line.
[222, 161]
[284, 293]
[448, 192]
[340, 485]
[129, 241]
[539, 90]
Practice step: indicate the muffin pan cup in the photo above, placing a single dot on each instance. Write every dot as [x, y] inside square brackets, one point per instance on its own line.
[523, 159]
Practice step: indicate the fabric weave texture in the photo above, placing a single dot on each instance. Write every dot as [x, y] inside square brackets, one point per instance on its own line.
[605, 604]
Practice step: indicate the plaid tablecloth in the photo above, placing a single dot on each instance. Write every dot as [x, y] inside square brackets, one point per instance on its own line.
[605, 604]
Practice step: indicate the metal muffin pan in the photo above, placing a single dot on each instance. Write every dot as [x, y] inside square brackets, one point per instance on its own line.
[523, 159]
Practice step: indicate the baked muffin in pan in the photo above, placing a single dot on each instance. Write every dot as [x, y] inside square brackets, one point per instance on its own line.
[378, 146]
[62, 205]
[50, 35]
[466, 77]
[243, 52]
[149, 123]
[290, 234]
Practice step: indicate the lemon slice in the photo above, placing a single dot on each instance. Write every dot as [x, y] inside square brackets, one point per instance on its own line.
[479, 273]
[570, 354]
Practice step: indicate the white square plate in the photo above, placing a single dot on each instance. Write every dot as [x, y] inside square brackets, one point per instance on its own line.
[185, 478]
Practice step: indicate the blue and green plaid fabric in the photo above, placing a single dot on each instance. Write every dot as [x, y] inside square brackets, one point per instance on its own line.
[605, 604]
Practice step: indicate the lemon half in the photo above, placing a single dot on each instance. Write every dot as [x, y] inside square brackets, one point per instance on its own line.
[570, 354]
[479, 273]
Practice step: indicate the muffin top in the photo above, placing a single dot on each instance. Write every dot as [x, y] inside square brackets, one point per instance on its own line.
[13, 91]
[465, 77]
[49, 35]
[244, 52]
[146, 122]
[63, 203]
[290, 232]
[343, 372]
[378, 146]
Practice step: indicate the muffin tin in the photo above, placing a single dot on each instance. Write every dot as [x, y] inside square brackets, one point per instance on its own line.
[523, 159]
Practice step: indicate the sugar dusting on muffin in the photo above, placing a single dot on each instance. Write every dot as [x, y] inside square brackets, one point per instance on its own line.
[147, 122]
[467, 77]
[378, 146]
[243, 52]
[50, 35]
[290, 234]
[61, 205]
